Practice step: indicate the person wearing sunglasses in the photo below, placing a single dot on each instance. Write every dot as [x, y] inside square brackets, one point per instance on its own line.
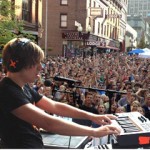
[23, 111]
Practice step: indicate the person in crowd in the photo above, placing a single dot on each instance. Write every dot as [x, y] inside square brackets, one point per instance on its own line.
[97, 100]
[140, 95]
[146, 106]
[137, 86]
[60, 94]
[130, 100]
[101, 109]
[70, 100]
[87, 106]
[124, 100]
[38, 85]
[106, 102]
[137, 78]
[23, 110]
[47, 91]
[141, 110]
[113, 107]
[135, 105]
[120, 109]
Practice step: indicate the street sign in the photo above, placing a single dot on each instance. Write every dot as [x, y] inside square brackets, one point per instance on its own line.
[113, 15]
[77, 23]
[96, 11]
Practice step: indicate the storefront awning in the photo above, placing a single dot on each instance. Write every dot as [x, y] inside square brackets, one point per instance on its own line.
[108, 47]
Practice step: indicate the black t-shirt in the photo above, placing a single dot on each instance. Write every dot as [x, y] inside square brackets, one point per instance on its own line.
[88, 109]
[14, 132]
[147, 111]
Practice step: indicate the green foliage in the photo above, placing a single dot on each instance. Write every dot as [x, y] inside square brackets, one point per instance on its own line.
[10, 26]
[5, 8]
[142, 43]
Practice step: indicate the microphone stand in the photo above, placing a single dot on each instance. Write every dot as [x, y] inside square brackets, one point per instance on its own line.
[63, 91]
[105, 90]
[71, 84]
[73, 93]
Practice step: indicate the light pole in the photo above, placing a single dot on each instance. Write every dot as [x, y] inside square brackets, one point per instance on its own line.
[84, 36]
[46, 17]
[132, 41]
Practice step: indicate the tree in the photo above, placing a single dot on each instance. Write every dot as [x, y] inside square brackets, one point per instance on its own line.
[142, 43]
[10, 25]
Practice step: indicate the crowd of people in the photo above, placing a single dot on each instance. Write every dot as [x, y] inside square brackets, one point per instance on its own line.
[116, 82]
[108, 82]
[32, 90]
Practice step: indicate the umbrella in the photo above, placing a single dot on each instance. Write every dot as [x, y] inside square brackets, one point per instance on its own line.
[146, 50]
[136, 51]
[145, 54]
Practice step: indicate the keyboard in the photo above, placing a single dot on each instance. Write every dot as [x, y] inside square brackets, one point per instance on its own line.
[103, 146]
[135, 130]
[135, 133]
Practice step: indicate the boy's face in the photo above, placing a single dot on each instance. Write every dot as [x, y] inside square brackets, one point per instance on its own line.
[30, 74]
[88, 100]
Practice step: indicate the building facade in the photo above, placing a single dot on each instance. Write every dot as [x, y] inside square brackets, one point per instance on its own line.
[137, 23]
[130, 38]
[139, 18]
[123, 24]
[72, 27]
[30, 11]
[139, 7]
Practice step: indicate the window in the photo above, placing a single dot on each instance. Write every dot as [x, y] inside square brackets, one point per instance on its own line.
[110, 31]
[140, 7]
[104, 30]
[107, 30]
[89, 3]
[89, 21]
[98, 28]
[101, 29]
[63, 20]
[148, 6]
[26, 10]
[94, 4]
[64, 2]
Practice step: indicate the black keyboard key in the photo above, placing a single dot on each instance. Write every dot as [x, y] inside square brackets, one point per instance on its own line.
[130, 130]
[106, 146]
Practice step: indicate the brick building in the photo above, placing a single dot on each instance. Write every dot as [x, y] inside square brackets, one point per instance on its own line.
[63, 18]
[30, 11]
[57, 11]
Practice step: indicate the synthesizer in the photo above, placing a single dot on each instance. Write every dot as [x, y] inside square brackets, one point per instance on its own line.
[135, 130]
[135, 133]
[89, 146]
